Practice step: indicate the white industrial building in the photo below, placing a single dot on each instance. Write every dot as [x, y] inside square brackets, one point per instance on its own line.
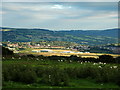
[68, 52]
[44, 50]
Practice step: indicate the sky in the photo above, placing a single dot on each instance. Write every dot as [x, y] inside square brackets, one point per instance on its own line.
[60, 15]
[60, 0]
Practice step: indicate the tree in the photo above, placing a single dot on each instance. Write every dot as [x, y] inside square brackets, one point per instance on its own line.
[6, 52]
[106, 58]
[74, 57]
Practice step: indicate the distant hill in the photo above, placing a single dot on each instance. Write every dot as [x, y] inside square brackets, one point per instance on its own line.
[89, 37]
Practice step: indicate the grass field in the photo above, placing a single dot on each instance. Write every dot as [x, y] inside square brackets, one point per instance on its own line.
[80, 83]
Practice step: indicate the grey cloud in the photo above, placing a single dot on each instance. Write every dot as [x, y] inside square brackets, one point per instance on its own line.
[62, 16]
[61, 1]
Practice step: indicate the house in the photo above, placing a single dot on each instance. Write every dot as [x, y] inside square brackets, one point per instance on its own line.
[68, 52]
[12, 45]
[36, 51]
[46, 50]
[42, 50]
[15, 51]
[10, 48]
[79, 52]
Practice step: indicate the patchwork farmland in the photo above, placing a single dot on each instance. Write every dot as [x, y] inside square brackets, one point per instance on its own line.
[60, 52]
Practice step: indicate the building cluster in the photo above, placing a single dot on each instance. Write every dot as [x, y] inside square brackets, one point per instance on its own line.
[114, 49]
[82, 48]
[23, 45]
[16, 46]
[53, 51]
[44, 50]
[27, 45]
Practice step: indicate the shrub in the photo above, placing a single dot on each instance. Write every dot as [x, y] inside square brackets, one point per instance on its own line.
[56, 77]
[59, 78]
[106, 58]
[39, 71]
[19, 73]
[28, 76]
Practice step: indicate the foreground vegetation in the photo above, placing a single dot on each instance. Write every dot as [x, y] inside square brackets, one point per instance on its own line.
[53, 72]
[29, 71]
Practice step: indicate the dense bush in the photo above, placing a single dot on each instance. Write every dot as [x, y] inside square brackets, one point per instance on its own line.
[100, 75]
[19, 73]
[26, 74]
[54, 75]
[106, 58]
[59, 77]
[6, 51]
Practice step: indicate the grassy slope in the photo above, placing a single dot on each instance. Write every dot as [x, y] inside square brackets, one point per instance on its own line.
[89, 37]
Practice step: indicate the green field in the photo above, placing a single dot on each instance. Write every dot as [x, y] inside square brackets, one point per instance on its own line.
[45, 73]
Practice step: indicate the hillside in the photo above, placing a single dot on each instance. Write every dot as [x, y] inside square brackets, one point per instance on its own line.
[89, 37]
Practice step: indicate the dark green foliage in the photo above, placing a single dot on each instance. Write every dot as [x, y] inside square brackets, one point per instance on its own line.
[40, 71]
[106, 58]
[6, 52]
[31, 56]
[58, 77]
[49, 72]
[74, 57]
[55, 77]
[107, 74]
[117, 60]
[28, 76]
[19, 73]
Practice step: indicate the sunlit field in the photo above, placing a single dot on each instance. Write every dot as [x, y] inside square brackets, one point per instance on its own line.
[60, 52]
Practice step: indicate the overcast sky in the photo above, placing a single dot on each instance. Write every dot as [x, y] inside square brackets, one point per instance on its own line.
[60, 15]
[60, 0]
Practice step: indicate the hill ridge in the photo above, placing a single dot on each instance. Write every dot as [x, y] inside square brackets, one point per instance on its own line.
[90, 37]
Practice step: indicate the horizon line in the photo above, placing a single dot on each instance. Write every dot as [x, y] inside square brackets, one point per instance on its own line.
[58, 29]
